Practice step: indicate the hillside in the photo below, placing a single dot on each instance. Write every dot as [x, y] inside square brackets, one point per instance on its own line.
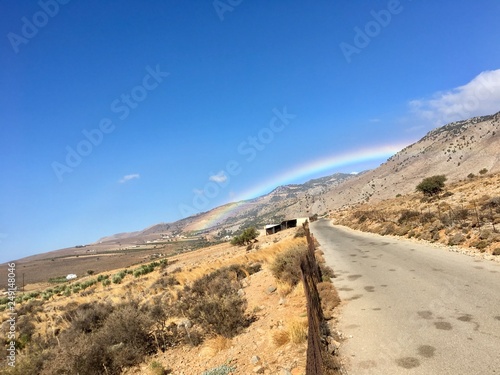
[465, 215]
[230, 218]
[456, 150]
[205, 312]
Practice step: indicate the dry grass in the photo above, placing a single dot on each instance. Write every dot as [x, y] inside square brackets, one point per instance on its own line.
[215, 345]
[298, 291]
[284, 289]
[280, 337]
[297, 330]
[265, 255]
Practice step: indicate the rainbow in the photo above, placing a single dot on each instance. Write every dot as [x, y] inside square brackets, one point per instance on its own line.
[308, 169]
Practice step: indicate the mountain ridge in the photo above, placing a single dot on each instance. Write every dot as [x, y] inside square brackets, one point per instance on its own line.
[455, 149]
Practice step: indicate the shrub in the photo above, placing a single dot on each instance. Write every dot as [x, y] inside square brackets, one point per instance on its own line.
[120, 339]
[88, 317]
[102, 277]
[30, 308]
[408, 216]
[461, 214]
[431, 185]
[214, 304]
[158, 369]
[326, 272]
[58, 279]
[301, 232]
[427, 217]
[481, 245]
[163, 264]
[483, 171]
[166, 281]
[456, 239]
[286, 266]
[25, 331]
[220, 370]
[248, 235]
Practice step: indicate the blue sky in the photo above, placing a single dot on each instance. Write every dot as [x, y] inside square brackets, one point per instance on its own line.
[118, 115]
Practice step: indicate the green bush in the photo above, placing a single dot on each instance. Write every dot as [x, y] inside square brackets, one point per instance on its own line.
[432, 185]
[248, 235]
[118, 277]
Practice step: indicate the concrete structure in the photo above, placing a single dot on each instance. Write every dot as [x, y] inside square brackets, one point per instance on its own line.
[285, 224]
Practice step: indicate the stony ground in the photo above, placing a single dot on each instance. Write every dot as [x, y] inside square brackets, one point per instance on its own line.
[261, 348]
[254, 350]
[464, 218]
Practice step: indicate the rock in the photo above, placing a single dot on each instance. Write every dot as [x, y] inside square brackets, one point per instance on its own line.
[258, 370]
[255, 359]
[282, 301]
[241, 292]
[185, 324]
[457, 239]
[285, 371]
[271, 289]
[333, 345]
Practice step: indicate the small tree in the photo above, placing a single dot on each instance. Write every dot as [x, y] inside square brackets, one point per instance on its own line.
[248, 235]
[483, 171]
[432, 185]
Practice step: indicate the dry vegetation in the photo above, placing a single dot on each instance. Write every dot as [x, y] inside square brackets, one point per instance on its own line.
[465, 214]
[218, 310]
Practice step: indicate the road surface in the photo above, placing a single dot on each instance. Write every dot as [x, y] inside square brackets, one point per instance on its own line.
[410, 308]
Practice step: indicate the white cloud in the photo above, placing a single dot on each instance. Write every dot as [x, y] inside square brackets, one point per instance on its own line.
[479, 97]
[219, 177]
[129, 177]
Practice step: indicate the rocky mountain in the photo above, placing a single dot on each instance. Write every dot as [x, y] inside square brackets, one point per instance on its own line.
[455, 150]
[228, 219]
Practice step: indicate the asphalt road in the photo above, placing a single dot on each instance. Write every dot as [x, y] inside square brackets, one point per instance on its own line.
[410, 308]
